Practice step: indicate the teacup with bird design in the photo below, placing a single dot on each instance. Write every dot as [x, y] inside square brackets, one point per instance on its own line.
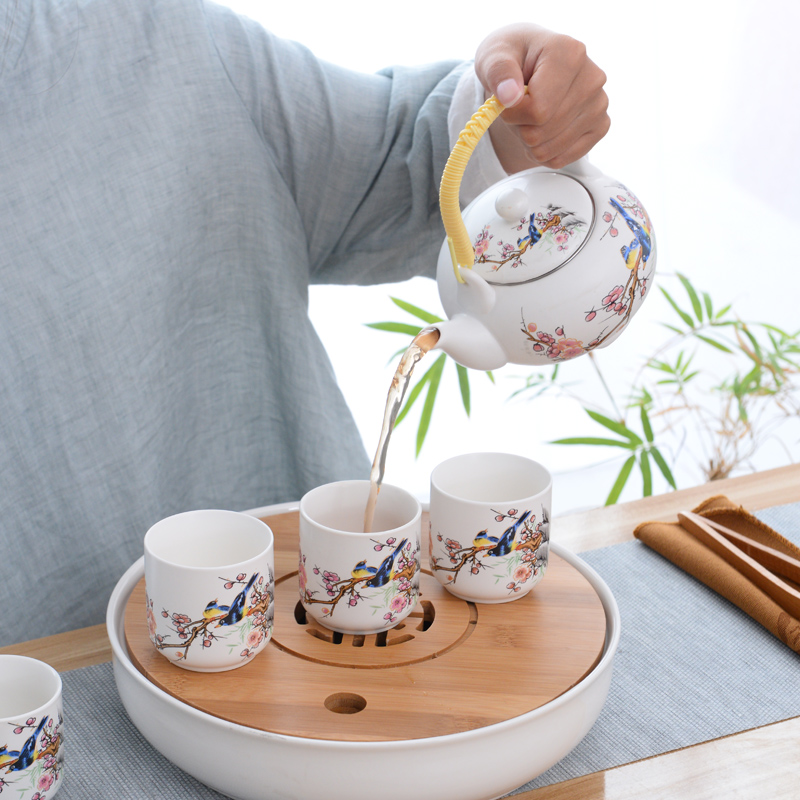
[490, 525]
[209, 580]
[31, 719]
[351, 581]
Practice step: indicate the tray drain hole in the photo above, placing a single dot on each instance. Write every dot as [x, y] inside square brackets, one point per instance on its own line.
[438, 623]
[428, 614]
[425, 610]
[345, 703]
[382, 639]
[332, 637]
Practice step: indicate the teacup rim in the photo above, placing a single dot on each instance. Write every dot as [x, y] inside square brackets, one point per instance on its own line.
[359, 534]
[516, 498]
[150, 554]
[53, 673]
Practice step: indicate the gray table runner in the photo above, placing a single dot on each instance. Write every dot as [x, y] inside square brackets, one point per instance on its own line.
[690, 667]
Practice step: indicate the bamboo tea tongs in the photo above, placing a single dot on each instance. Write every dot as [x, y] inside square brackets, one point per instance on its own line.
[757, 562]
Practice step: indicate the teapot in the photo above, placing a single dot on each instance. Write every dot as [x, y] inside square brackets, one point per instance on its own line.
[544, 266]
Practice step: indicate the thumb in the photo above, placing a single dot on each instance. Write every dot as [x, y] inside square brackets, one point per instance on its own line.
[509, 90]
[501, 75]
[502, 58]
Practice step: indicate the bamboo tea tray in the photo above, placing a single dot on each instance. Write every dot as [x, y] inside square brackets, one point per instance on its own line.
[449, 668]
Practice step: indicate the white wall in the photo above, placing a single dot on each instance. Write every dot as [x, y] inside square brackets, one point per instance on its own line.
[705, 126]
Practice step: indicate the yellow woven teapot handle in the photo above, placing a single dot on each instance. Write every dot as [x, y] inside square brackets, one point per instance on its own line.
[461, 250]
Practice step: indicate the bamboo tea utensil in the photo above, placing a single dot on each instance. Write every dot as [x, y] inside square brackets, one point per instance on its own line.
[783, 594]
[768, 557]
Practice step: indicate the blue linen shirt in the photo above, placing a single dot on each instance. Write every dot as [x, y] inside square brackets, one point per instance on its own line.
[172, 179]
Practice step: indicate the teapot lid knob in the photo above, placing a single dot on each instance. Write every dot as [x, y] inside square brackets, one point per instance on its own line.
[512, 204]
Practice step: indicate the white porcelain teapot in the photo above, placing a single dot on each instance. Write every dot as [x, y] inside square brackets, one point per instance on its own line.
[544, 266]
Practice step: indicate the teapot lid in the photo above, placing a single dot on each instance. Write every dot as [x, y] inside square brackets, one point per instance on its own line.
[528, 226]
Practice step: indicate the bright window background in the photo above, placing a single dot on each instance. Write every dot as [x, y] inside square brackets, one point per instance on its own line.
[705, 130]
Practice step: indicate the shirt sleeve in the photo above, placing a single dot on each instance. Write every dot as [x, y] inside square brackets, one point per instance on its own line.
[361, 155]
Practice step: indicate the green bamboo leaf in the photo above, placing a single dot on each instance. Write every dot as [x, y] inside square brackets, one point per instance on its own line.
[709, 307]
[752, 381]
[772, 340]
[647, 474]
[412, 396]
[622, 479]
[430, 399]
[490, 376]
[395, 327]
[613, 425]
[593, 440]
[753, 341]
[415, 311]
[779, 331]
[723, 312]
[779, 371]
[463, 384]
[695, 300]
[742, 412]
[662, 465]
[714, 343]
[646, 426]
[662, 366]
[535, 381]
[680, 312]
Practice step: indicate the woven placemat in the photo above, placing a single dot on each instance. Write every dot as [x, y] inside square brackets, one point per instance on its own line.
[690, 667]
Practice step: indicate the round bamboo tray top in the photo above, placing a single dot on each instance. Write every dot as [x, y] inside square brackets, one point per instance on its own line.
[449, 667]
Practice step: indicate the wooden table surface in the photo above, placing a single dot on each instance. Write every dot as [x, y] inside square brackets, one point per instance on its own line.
[758, 763]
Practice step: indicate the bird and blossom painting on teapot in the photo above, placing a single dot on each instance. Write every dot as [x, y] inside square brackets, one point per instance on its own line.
[542, 267]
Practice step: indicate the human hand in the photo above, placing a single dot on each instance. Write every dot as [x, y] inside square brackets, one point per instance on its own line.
[564, 113]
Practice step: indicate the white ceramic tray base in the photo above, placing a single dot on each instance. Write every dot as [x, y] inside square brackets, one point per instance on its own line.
[251, 764]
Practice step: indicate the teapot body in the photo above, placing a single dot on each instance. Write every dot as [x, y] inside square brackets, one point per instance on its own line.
[563, 260]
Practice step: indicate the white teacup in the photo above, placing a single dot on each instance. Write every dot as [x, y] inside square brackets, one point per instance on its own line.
[209, 577]
[490, 525]
[355, 582]
[31, 728]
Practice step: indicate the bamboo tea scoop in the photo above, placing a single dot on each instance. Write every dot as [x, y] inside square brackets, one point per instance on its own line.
[783, 594]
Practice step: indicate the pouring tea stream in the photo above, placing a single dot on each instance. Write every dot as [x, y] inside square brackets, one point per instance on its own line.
[542, 267]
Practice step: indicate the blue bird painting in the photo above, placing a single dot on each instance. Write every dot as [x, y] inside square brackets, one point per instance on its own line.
[235, 612]
[18, 760]
[7, 756]
[505, 544]
[381, 575]
[534, 234]
[641, 246]
[484, 540]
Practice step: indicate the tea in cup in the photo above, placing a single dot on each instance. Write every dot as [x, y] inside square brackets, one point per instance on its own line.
[351, 581]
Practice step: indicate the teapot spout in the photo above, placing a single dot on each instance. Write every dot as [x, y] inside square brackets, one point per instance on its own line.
[467, 341]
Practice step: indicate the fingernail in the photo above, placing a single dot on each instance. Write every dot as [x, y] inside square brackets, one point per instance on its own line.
[509, 92]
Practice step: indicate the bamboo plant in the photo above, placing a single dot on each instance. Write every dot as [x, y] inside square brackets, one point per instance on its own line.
[713, 392]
